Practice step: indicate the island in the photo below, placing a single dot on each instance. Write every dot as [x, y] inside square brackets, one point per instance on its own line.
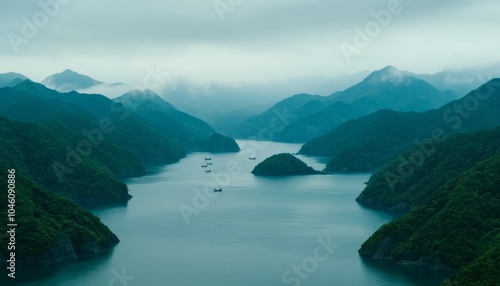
[283, 164]
[218, 143]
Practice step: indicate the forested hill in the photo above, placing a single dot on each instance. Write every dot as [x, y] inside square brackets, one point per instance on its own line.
[283, 165]
[454, 196]
[49, 154]
[218, 143]
[167, 120]
[416, 175]
[456, 228]
[369, 142]
[33, 102]
[51, 229]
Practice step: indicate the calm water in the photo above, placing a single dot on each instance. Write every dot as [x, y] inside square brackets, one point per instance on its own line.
[252, 233]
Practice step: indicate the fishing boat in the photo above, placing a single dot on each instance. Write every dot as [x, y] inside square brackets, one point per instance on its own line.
[251, 158]
[208, 158]
[208, 171]
[209, 164]
[217, 190]
[203, 166]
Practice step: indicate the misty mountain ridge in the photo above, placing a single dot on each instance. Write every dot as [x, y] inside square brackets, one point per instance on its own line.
[137, 97]
[11, 79]
[165, 118]
[246, 99]
[392, 84]
[34, 102]
[206, 100]
[462, 81]
[69, 80]
[314, 115]
[366, 143]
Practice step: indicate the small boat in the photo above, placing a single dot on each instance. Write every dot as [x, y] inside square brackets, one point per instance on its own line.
[208, 171]
[209, 164]
[208, 158]
[203, 166]
[217, 190]
[251, 158]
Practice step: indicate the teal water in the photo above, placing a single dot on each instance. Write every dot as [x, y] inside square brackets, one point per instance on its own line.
[252, 233]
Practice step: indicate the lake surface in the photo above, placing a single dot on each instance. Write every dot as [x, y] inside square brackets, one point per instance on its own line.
[257, 231]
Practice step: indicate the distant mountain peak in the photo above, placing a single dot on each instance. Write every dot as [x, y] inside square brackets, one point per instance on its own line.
[390, 74]
[145, 94]
[142, 96]
[69, 71]
[69, 80]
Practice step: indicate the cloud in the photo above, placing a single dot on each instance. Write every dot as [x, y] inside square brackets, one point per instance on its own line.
[257, 41]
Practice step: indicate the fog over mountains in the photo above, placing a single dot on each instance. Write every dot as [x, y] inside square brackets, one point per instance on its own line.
[227, 106]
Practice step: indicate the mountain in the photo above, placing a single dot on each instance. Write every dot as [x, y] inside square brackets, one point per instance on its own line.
[11, 79]
[462, 81]
[51, 229]
[204, 100]
[283, 165]
[279, 115]
[66, 162]
[454, 223]
[400, 185]
[225, 123]
[388, 88]
[367, 143]
[165, 118]
[218, 143]
[34, 102]
[69, 80]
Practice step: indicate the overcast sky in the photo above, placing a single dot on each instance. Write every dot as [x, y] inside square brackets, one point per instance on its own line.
[257, 40]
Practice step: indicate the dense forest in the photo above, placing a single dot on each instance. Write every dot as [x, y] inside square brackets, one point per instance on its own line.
[47, 154]
[33, 102]
[455, 220]
[400, 184]
[51, 229]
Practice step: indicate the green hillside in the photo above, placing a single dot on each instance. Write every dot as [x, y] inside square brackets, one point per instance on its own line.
[218, 143]
[455, 220]
[51, 229]
[165, 119]
[311, 116]
[34, 102]
[40, 151]
[367, 143]
[283, 165]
